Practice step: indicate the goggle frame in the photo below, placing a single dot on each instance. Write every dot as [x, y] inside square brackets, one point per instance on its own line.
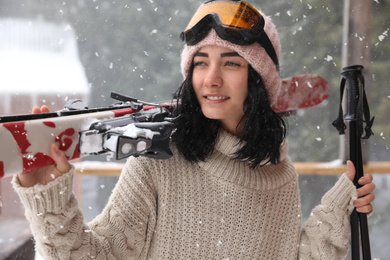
[234, 34]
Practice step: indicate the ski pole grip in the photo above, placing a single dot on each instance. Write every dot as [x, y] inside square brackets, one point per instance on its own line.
[352, 75]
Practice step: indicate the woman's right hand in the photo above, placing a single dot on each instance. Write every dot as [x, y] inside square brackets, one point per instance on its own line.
[48, 173]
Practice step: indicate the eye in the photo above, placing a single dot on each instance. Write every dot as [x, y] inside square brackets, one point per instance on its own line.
[199, 63]
[232, 64]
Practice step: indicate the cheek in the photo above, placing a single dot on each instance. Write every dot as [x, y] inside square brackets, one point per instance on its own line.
[243, 93]
[241, 86]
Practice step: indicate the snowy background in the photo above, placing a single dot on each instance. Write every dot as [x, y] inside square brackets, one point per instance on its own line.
[133, 47]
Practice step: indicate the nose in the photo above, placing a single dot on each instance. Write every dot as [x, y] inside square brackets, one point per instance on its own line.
[213, 77]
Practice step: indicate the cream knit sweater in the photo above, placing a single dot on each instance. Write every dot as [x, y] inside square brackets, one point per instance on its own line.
[172, 209]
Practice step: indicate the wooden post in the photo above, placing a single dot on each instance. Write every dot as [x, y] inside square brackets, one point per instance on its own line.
[356, 51]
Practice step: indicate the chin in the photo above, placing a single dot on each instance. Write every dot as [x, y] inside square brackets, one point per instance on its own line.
[212, 115]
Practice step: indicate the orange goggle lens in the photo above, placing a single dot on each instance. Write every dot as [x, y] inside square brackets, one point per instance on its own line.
[239, 15]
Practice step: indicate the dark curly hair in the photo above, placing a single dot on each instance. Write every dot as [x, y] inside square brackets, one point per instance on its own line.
[263, 133]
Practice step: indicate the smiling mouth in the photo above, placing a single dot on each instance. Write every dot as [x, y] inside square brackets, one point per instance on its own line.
[214, 98]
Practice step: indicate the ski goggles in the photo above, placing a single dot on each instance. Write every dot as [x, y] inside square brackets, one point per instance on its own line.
[234, 21]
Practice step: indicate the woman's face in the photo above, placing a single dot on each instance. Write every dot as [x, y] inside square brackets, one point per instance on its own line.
[220, 81]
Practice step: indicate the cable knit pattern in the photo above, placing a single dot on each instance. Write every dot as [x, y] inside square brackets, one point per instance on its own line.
[172, 209]
[327, 232]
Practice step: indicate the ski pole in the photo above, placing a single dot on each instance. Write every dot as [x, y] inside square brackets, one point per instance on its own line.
[357, 115]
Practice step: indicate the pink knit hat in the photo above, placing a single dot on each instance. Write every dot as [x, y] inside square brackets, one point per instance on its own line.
[255, 54]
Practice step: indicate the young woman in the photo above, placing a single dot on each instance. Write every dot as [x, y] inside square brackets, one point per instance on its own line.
[229, 191]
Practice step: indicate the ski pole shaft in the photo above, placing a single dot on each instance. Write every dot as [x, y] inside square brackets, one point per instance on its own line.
[358, 220]
[354, 116]
[364, 235]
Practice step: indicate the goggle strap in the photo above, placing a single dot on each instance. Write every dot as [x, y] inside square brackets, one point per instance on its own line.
[269, 48]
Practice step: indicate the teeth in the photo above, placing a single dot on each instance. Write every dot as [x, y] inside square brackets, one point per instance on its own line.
[216, 98]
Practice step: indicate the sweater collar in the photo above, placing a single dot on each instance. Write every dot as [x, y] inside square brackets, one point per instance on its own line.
[222, 165]
[228, 144]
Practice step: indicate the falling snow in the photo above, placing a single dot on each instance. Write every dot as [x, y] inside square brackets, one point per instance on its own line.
[328, 58]
[383, 35]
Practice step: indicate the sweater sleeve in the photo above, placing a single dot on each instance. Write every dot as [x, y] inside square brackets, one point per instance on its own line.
[58, 226]
[327, 234]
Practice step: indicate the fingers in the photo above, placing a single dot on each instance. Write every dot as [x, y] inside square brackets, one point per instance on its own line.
[45, 109]
[36, 110]
[59, 158]
[365, 197]
[366, 179]
[364, 204]
[42, 109]
[366, 189]
[363, 201]
[365, 209]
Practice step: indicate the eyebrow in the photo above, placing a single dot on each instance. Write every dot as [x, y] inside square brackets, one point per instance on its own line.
[201, 54]
[230, 54]
[225, 54]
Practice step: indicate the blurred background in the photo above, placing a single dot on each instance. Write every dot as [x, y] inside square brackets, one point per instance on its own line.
[55, 50]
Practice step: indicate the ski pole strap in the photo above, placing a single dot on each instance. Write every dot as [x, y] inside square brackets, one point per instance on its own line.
[362, 110]
[366, 111]
[339, 122]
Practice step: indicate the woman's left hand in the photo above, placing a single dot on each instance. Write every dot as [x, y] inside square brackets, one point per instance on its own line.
[365, 197]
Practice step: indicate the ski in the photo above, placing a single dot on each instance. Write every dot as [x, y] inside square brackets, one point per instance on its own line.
[129, 127]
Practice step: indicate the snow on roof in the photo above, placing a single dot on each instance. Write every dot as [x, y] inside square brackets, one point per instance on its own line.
[39, 57]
